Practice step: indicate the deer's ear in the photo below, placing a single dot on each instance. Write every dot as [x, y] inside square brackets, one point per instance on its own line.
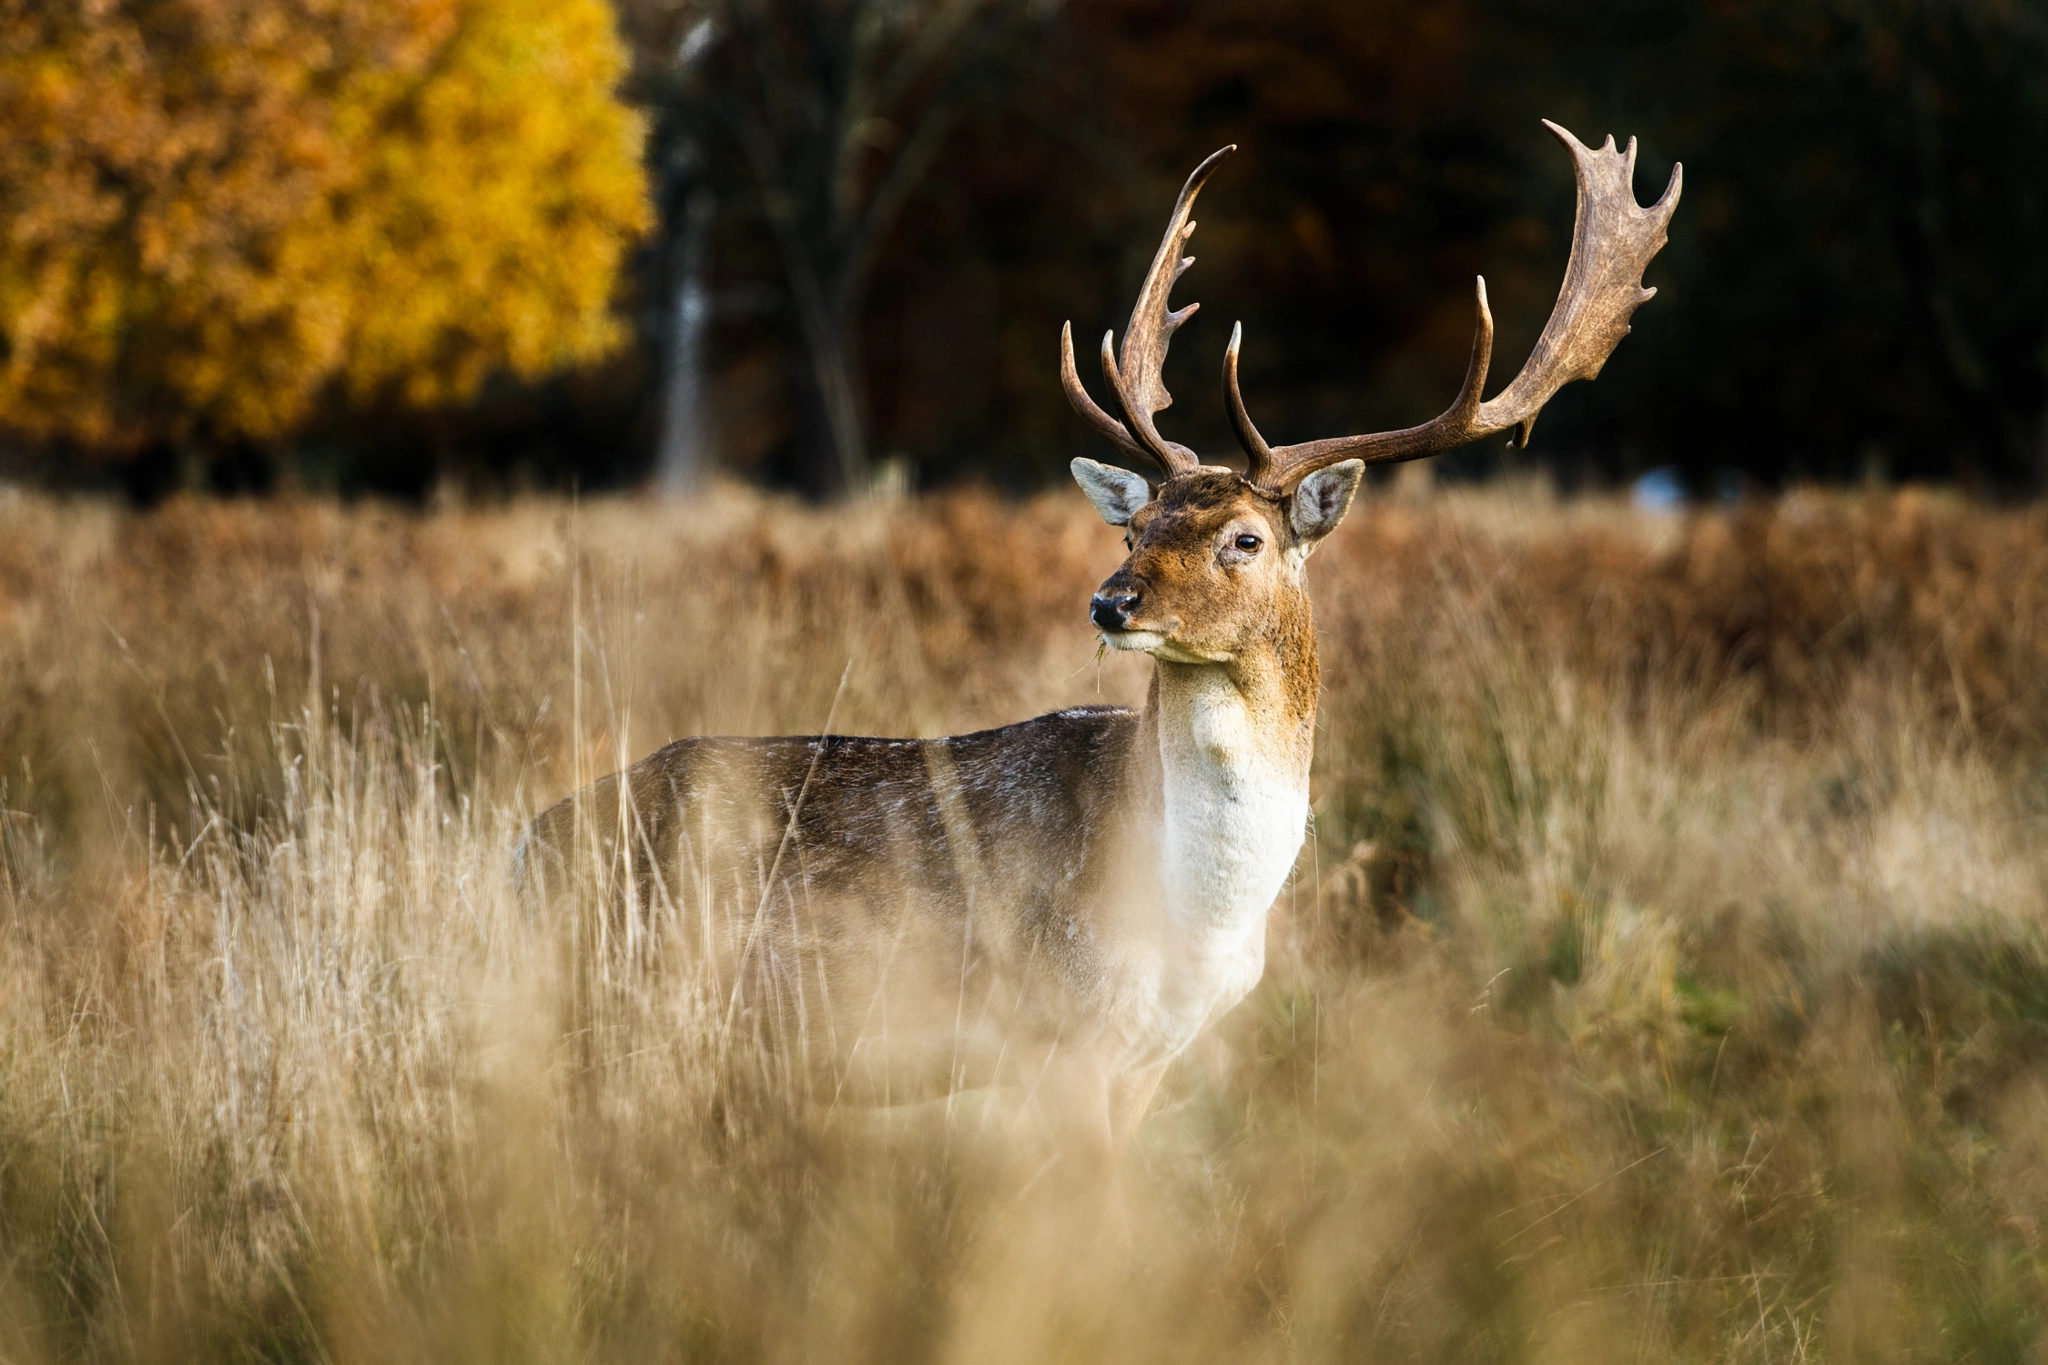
[1322, 499]
[1116, 493]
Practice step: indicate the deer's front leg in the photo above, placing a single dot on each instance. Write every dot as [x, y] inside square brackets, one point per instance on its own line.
[1130, 1097]
[1072, 1104]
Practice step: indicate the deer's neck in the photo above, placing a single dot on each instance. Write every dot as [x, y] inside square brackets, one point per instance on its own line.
[1233, 743]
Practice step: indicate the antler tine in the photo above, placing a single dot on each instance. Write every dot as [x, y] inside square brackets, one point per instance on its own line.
[1258, 455]
[1070, 379]
[1453, 427]
[1613, 239]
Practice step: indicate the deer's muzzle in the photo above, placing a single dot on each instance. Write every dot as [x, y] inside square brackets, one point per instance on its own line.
[1114, 603]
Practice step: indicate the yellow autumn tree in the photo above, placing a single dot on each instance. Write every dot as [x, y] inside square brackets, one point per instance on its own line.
[212, 211]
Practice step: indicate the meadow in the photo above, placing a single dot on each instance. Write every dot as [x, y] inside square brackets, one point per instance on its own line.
[1665, 977]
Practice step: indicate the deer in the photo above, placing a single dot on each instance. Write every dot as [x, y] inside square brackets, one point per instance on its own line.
[1059, 907]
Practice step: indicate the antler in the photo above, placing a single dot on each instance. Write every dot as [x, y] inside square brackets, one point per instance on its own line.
[1612, 240]
[1137, 382]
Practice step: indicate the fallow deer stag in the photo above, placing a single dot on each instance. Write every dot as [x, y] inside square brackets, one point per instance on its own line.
[1064, 904]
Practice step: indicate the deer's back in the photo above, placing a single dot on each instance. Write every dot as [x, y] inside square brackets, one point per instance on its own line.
[846, 810]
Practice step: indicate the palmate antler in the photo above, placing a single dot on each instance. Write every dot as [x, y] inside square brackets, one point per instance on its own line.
[1612, 241]
[1137, 383]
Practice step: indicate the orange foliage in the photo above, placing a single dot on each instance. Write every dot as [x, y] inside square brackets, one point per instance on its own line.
[210, 209]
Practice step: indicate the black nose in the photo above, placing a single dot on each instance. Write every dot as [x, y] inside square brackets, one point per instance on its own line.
[1112, 610]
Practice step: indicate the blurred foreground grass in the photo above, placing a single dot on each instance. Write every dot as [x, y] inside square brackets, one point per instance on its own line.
[1665, 980]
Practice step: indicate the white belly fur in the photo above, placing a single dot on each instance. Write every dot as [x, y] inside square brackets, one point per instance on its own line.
[1236, 812]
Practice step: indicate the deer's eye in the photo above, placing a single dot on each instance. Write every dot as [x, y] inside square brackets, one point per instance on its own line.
[1248, 544]
[1127, 541]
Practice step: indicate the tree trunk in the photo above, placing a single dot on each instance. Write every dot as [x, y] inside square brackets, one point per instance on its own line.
[839, 457]
[683, 457]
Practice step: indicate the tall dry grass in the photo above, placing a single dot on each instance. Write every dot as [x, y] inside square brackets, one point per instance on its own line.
[1665, 978]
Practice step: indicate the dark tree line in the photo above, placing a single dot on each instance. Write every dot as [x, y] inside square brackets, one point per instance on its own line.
[1857, 283]
[876, 214]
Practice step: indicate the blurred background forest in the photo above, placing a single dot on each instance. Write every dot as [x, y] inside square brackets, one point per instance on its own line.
[399, 245]
[1665, 976]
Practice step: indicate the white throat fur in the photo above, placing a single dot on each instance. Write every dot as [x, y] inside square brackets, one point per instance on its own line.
[1236, 811]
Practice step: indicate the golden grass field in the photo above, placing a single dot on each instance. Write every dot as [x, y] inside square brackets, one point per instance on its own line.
[1665, 980]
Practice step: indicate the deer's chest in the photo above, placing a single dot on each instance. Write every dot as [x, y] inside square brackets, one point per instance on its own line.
[1235, 814]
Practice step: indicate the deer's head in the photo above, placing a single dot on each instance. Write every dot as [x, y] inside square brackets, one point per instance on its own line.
[1213, 552]
[1210, 556]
